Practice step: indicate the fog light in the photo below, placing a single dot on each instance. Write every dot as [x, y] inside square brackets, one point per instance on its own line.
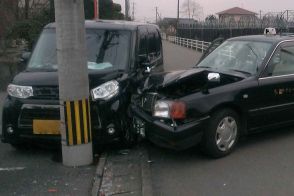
[10, 130]
[111, 130]
[139, 126]
[142, 132]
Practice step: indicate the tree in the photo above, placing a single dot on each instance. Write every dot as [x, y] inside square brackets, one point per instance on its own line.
[32, 16]
[211, 18]
[191, 9]
[107, 10]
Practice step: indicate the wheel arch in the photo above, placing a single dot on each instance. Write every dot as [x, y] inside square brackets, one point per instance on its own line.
[235, 108]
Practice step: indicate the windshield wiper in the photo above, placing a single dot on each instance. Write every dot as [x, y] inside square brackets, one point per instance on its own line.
[203, 67]
[241, 71]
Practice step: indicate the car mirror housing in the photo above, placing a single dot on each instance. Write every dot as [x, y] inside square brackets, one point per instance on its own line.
[213, 77]
[25, 57]
[142, 59]
[276, 59]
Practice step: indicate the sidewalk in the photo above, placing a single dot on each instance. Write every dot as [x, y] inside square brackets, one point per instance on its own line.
[123, 172]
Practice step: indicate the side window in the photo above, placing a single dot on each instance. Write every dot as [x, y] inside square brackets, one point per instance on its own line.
[153, 43]
[158, 43]
[143, 43]
[282, 62]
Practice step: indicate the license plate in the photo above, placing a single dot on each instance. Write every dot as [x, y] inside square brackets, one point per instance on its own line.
[46, 127]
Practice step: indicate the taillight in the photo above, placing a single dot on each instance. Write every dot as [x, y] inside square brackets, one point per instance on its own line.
[178, 110]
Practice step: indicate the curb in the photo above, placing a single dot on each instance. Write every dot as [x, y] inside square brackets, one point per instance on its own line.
[143, 161]
[99, 175]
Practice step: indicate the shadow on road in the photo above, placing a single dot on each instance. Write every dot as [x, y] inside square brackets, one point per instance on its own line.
[250, 141]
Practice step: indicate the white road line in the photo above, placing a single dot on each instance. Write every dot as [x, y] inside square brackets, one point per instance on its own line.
[12, 169]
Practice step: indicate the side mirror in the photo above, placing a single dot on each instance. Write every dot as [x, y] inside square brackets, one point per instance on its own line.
[143, 62]
[147, 70]
[25, 57]
[214, 77]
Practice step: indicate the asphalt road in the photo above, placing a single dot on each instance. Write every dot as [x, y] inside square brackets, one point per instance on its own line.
[261, 165]
[177, 57]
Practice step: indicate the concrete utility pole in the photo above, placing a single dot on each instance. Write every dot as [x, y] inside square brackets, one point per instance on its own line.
[156, 8]
[133, 11]
[189, 11]
[127, 9]
[178, 17]
[73, 83]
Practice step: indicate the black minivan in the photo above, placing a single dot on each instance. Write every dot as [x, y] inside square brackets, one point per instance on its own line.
[120, 54]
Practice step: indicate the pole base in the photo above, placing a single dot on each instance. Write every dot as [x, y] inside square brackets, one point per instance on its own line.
[79, 155]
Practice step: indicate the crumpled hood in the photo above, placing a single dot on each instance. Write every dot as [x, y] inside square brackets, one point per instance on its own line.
[180, 83]
[165, 79]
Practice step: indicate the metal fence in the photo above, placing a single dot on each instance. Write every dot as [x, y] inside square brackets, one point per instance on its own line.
[189, 43]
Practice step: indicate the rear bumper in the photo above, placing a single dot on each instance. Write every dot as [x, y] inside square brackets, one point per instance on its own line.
[162, 134]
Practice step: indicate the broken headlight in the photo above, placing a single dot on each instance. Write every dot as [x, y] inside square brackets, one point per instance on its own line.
[105, 91]
[161, 109]
[170, 109]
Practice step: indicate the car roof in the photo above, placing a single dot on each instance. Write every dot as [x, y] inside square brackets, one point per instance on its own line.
[275, 39]
[110, 24]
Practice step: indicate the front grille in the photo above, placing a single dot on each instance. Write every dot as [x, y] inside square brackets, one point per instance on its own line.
[36, 112]
[148, 101]
[48, 92]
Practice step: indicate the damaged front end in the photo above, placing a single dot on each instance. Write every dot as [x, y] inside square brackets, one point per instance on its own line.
[163, 111]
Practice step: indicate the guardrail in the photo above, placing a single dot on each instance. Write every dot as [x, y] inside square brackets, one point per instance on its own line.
[189, 43]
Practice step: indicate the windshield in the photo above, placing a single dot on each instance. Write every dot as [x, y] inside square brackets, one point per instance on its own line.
[240, 56]
[106, 49]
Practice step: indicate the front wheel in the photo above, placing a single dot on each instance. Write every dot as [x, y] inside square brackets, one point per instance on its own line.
[222, 133]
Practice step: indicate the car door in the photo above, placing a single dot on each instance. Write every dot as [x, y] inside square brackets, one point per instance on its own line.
[155, 55]
[142, 47]
[276, 87]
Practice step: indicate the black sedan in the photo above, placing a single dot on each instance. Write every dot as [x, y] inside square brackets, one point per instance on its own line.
[245, 85]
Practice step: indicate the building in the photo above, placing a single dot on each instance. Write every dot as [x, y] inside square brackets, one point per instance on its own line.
[236, 15]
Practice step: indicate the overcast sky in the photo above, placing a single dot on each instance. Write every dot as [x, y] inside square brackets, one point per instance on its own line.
[145, 9]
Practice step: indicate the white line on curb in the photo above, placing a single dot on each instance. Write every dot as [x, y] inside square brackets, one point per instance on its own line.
[12, 169]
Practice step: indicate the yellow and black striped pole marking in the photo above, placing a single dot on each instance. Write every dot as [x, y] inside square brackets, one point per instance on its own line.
[78, 122]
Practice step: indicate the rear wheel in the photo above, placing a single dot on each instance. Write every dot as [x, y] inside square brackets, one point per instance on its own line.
[222, 133]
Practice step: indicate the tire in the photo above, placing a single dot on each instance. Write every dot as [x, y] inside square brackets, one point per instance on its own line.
[222, 133]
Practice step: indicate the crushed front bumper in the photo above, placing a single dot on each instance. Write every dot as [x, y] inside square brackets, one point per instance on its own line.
[19, 114]
[175, 137]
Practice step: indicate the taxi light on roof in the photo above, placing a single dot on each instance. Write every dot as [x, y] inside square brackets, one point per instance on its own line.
[270, 31]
